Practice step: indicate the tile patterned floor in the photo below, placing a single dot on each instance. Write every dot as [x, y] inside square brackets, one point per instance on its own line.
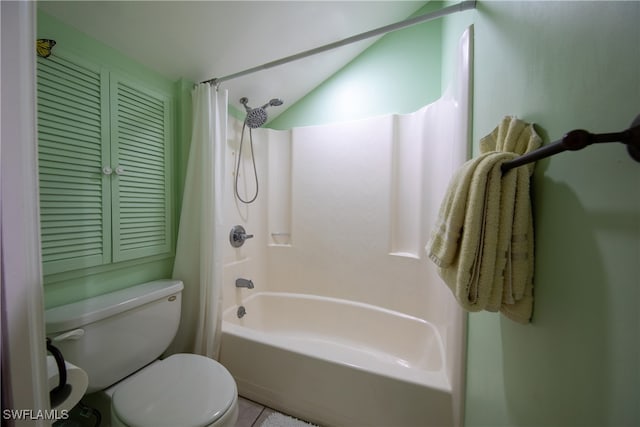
[251, 414]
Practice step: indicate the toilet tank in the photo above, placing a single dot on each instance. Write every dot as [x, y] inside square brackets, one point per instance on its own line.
[113, 335]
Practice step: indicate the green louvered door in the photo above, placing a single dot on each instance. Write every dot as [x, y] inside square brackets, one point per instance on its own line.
[140, 134]
[104, 163]
[75, 195]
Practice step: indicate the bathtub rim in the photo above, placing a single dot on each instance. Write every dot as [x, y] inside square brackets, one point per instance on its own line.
[331, 299]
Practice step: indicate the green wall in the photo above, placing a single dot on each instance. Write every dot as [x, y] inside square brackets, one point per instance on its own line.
[400, 73]
[74, 285]
[562, 65]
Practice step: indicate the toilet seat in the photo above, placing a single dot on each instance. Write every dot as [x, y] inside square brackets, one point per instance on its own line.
[184, 390]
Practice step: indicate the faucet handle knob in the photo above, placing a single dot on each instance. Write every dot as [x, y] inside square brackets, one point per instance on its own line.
[238, 235]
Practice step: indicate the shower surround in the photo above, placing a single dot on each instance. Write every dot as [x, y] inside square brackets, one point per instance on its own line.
[348, 322]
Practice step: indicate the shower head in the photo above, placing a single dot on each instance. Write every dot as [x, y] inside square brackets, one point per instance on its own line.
[257, 117]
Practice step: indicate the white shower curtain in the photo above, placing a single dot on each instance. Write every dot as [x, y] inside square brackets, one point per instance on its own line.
[199, 249]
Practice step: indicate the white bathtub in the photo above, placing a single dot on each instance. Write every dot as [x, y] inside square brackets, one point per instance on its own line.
[337, 362]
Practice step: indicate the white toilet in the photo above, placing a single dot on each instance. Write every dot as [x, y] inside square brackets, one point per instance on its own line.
[117, 338]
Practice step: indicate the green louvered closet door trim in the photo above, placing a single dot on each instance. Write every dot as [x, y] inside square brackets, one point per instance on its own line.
[140, 142]
[74, 194]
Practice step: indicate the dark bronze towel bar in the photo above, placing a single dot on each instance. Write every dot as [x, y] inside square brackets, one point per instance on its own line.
[577, 140]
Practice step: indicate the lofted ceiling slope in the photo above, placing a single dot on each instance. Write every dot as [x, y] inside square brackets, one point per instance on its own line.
[200, 40]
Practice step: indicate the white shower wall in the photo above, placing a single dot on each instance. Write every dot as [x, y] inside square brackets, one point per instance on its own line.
[354, 213]
[344, 210]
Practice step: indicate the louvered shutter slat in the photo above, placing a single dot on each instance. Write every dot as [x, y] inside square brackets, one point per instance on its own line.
[141, 198]
[72, 125]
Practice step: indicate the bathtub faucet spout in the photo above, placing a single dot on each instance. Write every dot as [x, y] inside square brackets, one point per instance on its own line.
[244, 283]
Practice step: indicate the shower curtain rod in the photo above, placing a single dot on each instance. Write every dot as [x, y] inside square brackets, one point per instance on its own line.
[464, 5]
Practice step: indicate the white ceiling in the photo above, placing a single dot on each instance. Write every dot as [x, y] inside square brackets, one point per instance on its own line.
[200, 40]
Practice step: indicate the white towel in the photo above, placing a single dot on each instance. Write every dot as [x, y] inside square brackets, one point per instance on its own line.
[483, 241]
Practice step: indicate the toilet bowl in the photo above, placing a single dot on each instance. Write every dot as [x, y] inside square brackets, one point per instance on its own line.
[117, 339]
[178, 388]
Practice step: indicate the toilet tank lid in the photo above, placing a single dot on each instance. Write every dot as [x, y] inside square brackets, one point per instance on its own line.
[80, 313]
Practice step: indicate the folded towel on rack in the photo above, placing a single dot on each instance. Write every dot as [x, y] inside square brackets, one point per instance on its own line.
[483, 241]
